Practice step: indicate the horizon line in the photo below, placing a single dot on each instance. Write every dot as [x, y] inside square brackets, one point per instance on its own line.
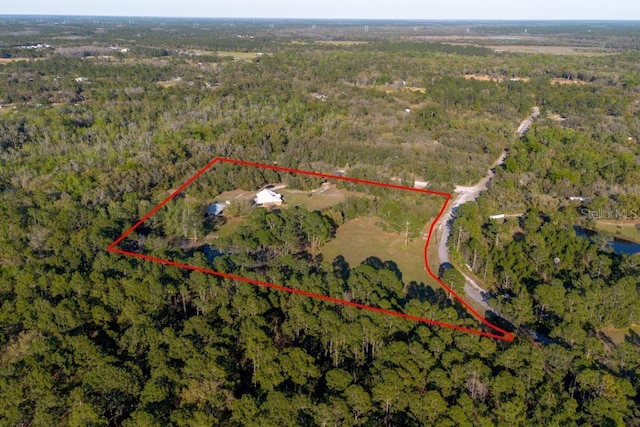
[71, 15]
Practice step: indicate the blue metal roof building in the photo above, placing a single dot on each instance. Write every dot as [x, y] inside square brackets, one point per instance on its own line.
[215, 209]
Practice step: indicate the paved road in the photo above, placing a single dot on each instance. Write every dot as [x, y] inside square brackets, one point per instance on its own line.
[465, 194]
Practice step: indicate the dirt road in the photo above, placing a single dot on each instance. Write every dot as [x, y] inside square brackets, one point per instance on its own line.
[526, 123]
[443, 228]
[467, 194]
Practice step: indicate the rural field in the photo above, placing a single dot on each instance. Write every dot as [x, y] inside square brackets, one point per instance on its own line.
[362, 238]
[550, 50]
[619, 335]
[624, 230]
[313, 200]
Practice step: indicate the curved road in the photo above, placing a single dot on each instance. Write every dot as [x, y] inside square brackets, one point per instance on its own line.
[468, 194]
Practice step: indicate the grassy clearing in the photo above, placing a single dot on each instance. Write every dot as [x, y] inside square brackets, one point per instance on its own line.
[556, 117]
[168, 83]
[236, 195]
[7, 108]
[550, 50]
[362, 238]
[618, 335]
[340, 42]
[356, 241]
[227, 229]
[488, 78]
[394, 89]
[237, 55]
[560, 81]
[8, 60]
[482, 78]
[318, 199]
[623, 230]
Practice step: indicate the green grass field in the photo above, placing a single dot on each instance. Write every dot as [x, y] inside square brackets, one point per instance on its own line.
[627, 230]
[618, 335]
[356, 240]
[229, 227]
[317, 199]
[362, 238]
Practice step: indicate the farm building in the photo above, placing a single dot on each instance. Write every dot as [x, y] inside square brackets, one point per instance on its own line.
[215, 209]
[268, 197]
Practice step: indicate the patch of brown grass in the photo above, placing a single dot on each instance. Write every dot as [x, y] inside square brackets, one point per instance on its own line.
[340, 42]
[560, 81]
[550, 50]
[8, 60]
[618, 335]
[483, 78]
[167, 83]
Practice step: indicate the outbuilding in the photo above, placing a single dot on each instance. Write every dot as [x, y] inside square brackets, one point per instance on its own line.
[215, 209]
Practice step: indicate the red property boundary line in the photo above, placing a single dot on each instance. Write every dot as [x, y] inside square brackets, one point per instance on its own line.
[497, 333]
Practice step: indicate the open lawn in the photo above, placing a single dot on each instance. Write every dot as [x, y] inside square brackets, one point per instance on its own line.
[238, 56]
[227, 229]
[618, 335]
[356, 240]
[623, 230]
[318, 199]
[362, 238]
[230, 196]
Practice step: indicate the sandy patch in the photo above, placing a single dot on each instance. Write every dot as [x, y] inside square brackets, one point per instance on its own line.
[560, 81]
[8, 60]
[483, 78]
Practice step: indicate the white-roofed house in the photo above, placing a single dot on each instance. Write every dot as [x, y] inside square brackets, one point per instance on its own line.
[268, 198]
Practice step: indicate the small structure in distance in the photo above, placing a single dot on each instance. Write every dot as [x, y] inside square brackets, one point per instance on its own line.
[215, 209]
[267, 197]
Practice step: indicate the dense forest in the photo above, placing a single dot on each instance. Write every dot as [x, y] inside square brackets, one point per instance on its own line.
[103, 119]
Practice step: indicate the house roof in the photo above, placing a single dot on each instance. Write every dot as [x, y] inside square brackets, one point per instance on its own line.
[267, 196]
[216, 208]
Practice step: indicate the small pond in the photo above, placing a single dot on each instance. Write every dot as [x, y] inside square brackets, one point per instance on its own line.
[619, 246]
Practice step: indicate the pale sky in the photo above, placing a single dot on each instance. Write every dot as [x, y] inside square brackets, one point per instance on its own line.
[342, 9]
